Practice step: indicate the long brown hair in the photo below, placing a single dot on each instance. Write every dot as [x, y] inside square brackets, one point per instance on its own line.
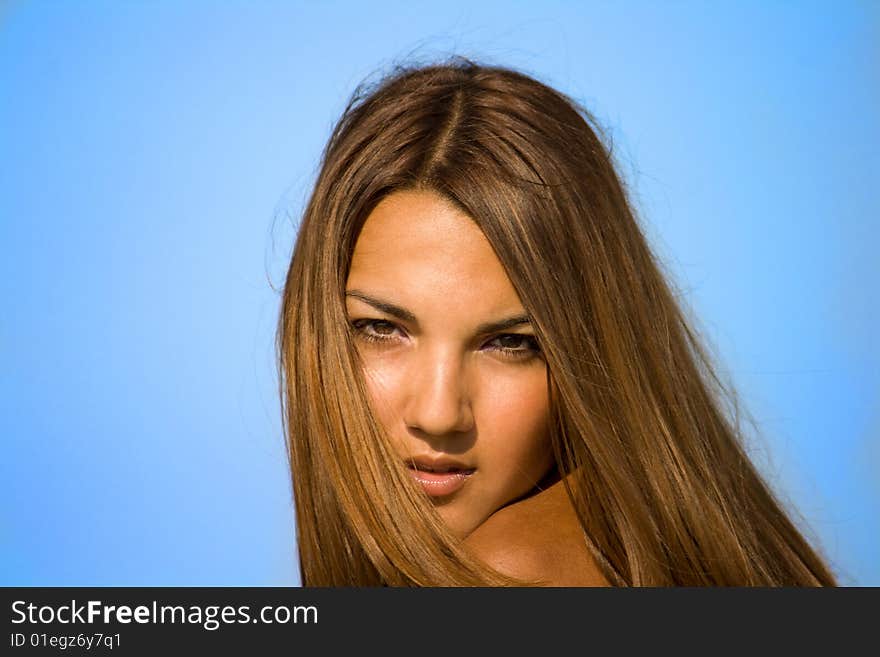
[647, 434]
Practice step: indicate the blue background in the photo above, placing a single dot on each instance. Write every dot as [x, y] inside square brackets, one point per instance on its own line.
[154, 158]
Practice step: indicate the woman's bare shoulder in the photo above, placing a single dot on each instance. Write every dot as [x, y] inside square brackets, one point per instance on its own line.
[537, 539]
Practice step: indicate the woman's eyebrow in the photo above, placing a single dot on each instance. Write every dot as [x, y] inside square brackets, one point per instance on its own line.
[384, 306]
[503, 324]
[406, 315]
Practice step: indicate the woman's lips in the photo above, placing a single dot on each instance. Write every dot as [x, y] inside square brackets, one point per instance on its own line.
[437, 484]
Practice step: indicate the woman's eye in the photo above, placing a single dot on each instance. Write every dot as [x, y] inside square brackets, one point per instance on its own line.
[512, 346]
[374, 330]
[515, 345]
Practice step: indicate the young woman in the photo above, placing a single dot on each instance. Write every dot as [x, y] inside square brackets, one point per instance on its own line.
[486, 378]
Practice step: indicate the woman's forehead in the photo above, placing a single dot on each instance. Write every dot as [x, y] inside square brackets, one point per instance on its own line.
[421, 250]
[408, 219]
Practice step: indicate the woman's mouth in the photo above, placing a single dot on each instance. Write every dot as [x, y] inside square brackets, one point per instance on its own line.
[439, 479]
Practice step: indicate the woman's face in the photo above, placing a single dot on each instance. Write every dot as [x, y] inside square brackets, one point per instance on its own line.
[449, 357]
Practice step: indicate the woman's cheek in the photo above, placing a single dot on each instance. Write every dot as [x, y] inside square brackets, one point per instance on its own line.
[520, 405]
[519, 418]
[382, 379]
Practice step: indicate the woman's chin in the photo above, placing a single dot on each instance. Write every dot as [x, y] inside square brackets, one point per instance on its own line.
[459, 523]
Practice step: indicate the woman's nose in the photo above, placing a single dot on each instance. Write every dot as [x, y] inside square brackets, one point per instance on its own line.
[438, 401]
